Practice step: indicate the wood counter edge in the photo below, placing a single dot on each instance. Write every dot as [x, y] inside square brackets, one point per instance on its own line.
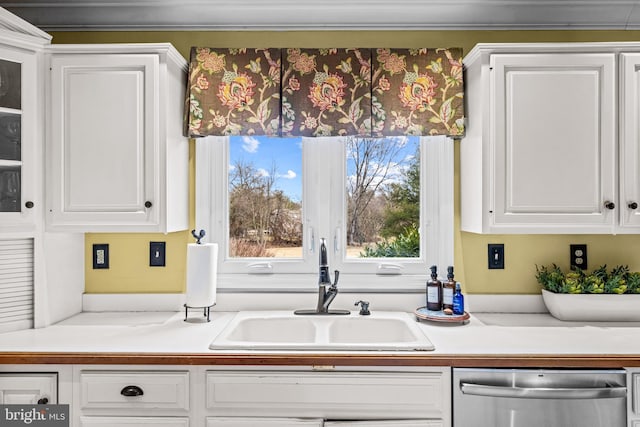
[296, 359]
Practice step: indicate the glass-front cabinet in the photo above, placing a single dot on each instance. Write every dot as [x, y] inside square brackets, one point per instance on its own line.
[18, 136]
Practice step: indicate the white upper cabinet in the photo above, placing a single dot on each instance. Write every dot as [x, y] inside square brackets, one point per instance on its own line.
[630, 141]
[541, 150]
[19, 132]
[118, 160]
[21, 121]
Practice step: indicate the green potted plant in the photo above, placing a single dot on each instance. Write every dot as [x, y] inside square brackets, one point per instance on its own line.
[602, 295]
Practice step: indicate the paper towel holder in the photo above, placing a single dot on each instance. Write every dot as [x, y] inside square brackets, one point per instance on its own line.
[198, 236]
[207, 312]
[207, 308]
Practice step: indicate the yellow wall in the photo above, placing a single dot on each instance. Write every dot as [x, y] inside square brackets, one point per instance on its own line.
[129, 270]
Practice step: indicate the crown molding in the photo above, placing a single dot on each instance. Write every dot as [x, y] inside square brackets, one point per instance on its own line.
[74, 15]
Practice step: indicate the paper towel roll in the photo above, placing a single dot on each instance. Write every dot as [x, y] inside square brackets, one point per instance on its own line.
[202, 267]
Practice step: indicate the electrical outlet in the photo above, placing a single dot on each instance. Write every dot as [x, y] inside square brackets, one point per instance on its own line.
[157, 254]
[496, 256]
[578, 257]
[100, 256]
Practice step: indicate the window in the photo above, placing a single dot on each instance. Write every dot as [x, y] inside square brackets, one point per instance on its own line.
[383, 206]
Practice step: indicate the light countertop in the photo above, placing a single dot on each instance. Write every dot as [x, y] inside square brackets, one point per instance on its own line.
[486, 334]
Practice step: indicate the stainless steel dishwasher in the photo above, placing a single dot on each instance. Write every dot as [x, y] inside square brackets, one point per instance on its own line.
[538, 397]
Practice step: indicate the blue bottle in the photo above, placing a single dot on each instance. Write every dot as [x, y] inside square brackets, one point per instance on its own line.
[458, 301]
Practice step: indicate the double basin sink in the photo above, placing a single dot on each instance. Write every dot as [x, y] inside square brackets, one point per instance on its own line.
[275, 330]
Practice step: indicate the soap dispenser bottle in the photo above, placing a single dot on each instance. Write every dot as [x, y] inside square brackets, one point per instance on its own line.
[458, 301]
[448, 288]
[434, 291]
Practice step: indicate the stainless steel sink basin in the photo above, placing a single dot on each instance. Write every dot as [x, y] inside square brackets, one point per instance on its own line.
[276, 330]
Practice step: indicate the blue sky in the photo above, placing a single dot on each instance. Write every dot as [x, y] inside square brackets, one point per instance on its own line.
[286, 154]
[263, 152]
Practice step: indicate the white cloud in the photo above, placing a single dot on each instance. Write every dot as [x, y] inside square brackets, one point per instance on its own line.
[401, 141]
[289, 175]
[250, 144]
[262, 172]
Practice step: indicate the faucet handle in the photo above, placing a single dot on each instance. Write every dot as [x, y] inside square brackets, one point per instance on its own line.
[364, 307]
[336, 275]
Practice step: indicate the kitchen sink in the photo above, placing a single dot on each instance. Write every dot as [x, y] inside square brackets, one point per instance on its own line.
[277, 330]
[371, 330]
[273, 330]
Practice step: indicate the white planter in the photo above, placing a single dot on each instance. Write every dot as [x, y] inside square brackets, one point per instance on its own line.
[593, 307]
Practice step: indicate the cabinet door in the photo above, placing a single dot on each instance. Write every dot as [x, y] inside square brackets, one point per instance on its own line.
[330, 395]
[104, 142]
[28, 389]
[19, 133]
[392, 423]
[630, 142]
[553, 135]
[133, 422]
[262, 422]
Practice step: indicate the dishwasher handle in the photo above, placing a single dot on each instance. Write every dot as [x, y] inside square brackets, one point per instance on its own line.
[542, 392]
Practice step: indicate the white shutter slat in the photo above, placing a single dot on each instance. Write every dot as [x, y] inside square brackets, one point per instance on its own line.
[16, 284]
[16, 313]
[12, 316]
[16, 289]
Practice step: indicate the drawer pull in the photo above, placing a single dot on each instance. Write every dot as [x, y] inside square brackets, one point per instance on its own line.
[43, 401]
[131, 391]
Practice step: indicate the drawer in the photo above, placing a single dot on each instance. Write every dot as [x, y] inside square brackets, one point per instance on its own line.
[134, 390]
[262, 422]
[336, 394]
[393, 423]
[133, 421]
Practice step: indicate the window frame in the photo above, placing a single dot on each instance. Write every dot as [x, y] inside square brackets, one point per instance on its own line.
[324, 216]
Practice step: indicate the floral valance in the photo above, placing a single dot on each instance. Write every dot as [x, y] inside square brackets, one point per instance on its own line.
[234, 92]
[325, 92]
[418, 92]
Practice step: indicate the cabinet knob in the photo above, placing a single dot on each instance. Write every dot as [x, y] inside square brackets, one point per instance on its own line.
[43, 401]
[28, 204]
[633, 205]
[131, 391]
[609, 205]
[148, 204]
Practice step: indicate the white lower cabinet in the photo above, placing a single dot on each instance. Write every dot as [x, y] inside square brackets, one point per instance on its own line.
[392, 423]
[358, 394]
[250, 396]
[298, 422]
[133, 422]
[138, 390]
[132, 397]
[19, 388]
[262, 422]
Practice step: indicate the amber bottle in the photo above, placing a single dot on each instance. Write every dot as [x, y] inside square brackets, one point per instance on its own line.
[434, 291]
[448, 289]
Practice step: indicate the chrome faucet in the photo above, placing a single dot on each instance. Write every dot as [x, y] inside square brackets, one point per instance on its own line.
[326, 296]
[327, 291]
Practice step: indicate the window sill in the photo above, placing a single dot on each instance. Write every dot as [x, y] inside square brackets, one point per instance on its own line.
[307, 283]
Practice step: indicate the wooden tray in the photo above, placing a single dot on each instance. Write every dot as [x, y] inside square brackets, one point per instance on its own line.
[438, 316]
